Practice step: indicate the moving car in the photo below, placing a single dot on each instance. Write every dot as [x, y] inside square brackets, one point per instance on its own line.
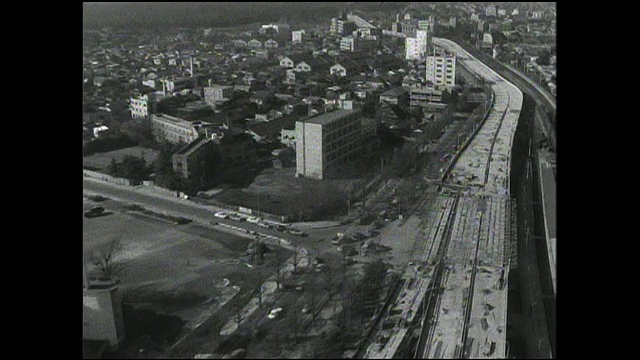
[236, 217]
[253, 219]
[221, 215]
[274, 313]
[297, 232]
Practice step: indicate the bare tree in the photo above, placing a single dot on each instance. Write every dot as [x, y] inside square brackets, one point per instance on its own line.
[295, 257]
[278, 265]
[104, 261]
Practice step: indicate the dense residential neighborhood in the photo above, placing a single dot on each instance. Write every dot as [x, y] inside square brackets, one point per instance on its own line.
[335, 140]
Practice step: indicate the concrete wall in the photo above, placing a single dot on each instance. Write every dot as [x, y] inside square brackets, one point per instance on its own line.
[105, 177]
[102, 315]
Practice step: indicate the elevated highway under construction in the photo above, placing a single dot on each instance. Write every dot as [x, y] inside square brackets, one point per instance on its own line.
[454, 296]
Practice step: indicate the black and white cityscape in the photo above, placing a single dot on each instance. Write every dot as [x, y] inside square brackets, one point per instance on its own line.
[319, 180]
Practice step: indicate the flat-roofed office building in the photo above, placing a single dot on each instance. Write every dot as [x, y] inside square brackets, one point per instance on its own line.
[326, 142]
[173, 129]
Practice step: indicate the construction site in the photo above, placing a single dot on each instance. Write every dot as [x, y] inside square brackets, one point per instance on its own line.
[433, 282]
[454, 296]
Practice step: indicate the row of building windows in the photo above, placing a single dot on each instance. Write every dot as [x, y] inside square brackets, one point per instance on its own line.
[336, 134]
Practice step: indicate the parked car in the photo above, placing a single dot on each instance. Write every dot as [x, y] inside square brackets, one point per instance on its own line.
[281, 228]
[236, 217]
[221, 215]
[295, 232]
[305, 309]
[274, 313]
[265, 225]
[253, 219]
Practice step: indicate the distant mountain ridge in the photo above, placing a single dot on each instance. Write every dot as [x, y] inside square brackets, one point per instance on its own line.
[154, 15]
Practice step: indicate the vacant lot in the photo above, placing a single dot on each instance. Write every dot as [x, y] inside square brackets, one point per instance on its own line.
[100, 161]
[170, 270]
[279, 192]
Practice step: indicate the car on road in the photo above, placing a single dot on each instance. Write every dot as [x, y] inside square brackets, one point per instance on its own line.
[221, 215]
[236, 354]
[183, 221]
[98, 198]
[265, 225]
[281, 228]
[236, 217]
[297, 232]
[274, 313]
[305, 309]
[253, 219]
[94, 212]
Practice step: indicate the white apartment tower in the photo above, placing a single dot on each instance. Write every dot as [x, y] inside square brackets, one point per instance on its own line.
[416, 48]
[441, 69]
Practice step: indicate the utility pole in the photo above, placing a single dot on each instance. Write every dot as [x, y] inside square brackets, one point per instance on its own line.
[84, 272]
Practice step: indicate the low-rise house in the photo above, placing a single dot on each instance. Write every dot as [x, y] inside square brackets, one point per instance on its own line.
[262, 98]
[395, 96]
[254, 44]
[286, 62]
[239, 43]
[271, 44]
[345, 68]
[270, 131]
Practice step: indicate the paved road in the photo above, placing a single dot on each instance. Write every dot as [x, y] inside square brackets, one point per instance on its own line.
[528, 317]
[316, 243]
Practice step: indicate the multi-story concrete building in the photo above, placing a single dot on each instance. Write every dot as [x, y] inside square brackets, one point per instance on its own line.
[173, 129]
[142, 106]
[347, 43]
[216, 94]
[416, 48]
[425, 97]
[102, 312]
[296, 36]
[342, 27]
[409, 28]
[326, 142]
[490, 11]
[453, 22]
[441, 70]
[194, 158]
